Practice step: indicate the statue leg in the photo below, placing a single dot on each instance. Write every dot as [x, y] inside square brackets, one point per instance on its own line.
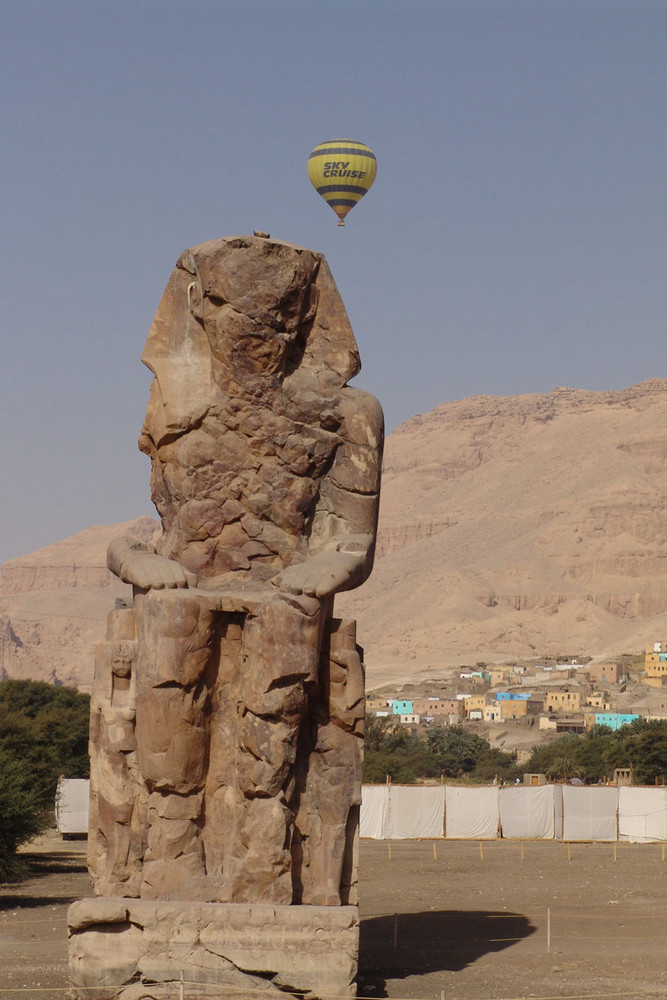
[329, 808]
[281, 646]
[174, 651]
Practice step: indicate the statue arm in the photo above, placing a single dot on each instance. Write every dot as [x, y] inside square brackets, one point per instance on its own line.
[342, 540]
[138, 563]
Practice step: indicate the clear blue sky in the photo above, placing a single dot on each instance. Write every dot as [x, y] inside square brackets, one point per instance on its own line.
[515, 238]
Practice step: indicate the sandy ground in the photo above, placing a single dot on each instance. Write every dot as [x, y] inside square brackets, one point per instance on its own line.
[465, 924]
[474, 924]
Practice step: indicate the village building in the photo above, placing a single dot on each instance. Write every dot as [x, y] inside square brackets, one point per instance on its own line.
[598, 699]
[376, 704]
[562, 701]
[492, 713]
[546, 723]
[475, 703]
[439, 709]
[603, 673]
[615, 720]
[655, 664]
[513, 708]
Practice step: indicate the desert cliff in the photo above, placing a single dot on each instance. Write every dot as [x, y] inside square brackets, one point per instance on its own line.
[54, 604]
[518, 527]
[509, 527]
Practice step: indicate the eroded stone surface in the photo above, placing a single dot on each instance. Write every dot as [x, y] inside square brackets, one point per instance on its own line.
[227, 727]
[121, 947]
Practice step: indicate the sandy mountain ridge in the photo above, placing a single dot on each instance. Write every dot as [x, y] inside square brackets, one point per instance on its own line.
[509, 527]
[54, 604]
[521, 526]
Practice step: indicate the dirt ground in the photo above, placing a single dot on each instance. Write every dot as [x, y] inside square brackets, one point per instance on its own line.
[503, 920]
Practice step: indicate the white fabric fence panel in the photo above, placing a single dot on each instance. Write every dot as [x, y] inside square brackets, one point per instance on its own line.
[471, 813]
[590, 813]
[416, 811]
[529, 813]
[72, 805]
[561, 812]
[642, 814]
[558, 810]
[374, 814]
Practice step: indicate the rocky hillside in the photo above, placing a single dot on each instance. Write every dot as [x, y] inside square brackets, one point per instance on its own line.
[509, 527]
[54, 604]
[520, 526]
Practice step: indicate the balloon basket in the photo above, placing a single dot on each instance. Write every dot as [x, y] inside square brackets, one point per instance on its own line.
[341, 222]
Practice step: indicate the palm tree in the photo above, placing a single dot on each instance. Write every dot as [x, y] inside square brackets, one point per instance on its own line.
[564, 768]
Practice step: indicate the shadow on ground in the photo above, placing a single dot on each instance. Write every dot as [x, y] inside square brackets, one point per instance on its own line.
[22, 891]
[33, 902]
[50, 864]
[436, 941]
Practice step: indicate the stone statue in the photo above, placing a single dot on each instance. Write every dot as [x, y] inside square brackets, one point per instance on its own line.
[227, 718]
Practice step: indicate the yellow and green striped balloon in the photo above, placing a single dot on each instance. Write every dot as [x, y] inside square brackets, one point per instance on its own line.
[342, 171]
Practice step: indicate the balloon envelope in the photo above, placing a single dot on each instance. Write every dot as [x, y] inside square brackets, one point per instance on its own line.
[342, 171]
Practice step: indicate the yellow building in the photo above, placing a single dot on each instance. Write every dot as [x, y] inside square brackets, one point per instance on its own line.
[377, 705]
[655, 664]
[497, 675]
[475, 703]
[513, 708]
[545, 722]
[562, 701]
[600, 699]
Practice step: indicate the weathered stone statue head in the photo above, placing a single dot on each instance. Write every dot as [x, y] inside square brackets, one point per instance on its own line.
[242, 314]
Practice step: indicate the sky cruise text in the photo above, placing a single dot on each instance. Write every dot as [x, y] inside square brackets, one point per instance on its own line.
[339, 168]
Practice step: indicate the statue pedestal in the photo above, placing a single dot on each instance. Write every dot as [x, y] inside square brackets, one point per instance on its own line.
[132, 949]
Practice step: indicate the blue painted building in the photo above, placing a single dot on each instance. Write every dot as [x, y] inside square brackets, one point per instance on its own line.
[615, 720]
[402, 707]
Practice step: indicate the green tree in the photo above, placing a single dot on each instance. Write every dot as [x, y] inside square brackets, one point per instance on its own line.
[645, 747]
[392, 750]
[454, 750]
[43, 734]
[495, 763]
[564, 768]
[46, 728]
[21, 815]
[590, 754]
[543, 755]
[375, 732]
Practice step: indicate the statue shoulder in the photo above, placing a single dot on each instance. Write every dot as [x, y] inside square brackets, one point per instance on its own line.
[363, 416]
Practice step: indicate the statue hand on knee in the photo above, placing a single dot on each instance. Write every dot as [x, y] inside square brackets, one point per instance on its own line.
[323, 574]
[137, 563]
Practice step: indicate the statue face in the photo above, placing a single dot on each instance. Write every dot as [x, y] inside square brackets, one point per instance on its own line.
[248, 344]
[257, 301]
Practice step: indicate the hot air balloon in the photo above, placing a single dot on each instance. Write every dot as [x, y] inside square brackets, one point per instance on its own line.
[342, 171]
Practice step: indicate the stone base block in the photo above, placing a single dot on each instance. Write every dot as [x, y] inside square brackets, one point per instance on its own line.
[133, 949]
